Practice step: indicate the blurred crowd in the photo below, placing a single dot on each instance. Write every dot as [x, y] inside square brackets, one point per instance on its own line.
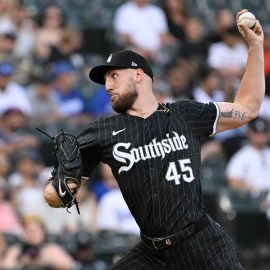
[44, 84]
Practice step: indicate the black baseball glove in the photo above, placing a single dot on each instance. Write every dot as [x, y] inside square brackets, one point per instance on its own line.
[67, 172]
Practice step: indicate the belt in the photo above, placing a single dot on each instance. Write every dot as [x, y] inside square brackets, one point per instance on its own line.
[170, 240]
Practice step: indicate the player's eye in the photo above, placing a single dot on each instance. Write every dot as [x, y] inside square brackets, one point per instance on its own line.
[114, 75]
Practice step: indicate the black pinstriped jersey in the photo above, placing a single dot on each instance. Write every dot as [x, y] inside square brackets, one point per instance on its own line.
[156, 161]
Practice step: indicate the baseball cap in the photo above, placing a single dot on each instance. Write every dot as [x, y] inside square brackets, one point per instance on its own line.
[258, 124]
[120, 60]
[9, 35]
[6, 69]
[44, 79]
[12, 111]
[61, 67]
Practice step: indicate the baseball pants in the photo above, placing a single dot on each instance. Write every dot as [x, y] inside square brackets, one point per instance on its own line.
[209, 249]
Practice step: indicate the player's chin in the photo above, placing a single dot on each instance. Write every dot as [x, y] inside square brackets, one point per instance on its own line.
[118, 109]
[113, 98]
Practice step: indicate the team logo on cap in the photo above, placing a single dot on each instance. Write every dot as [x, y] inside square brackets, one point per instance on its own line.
[133, 64]
[109, 59]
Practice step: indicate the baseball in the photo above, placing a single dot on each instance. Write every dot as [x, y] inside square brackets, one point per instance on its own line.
[247, 19]
[51, 196]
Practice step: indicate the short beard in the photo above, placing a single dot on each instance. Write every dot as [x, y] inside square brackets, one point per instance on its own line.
[126, 100]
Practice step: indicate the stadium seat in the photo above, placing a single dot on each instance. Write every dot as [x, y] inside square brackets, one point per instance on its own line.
[11, 238]
[213, 175]
[212, 180]
[246, 216]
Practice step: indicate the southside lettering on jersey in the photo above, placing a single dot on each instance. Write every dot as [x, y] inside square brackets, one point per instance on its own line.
[152, 150]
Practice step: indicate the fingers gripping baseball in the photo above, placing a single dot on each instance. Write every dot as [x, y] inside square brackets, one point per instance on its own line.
[249, 27]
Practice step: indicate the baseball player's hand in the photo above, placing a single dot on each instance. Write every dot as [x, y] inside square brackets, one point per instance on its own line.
[74, 185]
[66, 176]
[252, 35]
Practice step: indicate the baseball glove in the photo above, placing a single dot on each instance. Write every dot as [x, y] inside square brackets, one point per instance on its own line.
[66, 175]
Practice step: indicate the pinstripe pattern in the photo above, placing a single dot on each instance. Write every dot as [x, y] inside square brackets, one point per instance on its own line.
[210, 249]
[156, 162]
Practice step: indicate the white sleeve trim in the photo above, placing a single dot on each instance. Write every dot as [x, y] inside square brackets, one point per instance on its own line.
[216, 120]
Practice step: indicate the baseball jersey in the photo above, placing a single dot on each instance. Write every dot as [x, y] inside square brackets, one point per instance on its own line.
[156, 161]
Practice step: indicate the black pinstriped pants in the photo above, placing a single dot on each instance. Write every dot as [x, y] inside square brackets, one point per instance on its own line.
[210, 248]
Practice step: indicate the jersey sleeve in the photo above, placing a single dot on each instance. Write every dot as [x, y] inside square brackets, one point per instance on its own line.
[89, 150]
[201, 117]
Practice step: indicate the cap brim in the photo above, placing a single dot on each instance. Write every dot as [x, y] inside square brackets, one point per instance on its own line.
[97, 74]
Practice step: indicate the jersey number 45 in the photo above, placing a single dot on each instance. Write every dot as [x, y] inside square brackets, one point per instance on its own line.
[179, 169]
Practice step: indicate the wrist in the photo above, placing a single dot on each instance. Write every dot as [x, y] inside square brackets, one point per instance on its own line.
[258, 45]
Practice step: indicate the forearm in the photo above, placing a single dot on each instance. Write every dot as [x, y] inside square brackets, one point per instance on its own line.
[252, 88]
[248, 99]
[250, 94]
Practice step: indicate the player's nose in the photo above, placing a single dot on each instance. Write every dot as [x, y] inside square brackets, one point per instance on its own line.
[108, 85]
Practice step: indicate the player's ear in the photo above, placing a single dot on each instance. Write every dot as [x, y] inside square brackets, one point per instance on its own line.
[139, 74]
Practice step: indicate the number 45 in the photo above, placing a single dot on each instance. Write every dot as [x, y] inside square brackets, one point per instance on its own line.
[187, 173]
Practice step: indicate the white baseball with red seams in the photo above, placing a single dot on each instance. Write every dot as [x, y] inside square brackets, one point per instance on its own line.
[247, 19]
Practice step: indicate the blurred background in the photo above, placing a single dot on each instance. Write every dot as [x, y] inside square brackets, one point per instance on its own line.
[47, 49]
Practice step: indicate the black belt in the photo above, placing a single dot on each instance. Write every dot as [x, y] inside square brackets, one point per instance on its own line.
[163, 242]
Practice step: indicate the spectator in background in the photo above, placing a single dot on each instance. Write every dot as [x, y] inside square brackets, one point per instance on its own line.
[12, 95]
[7, 8]
[5, 166]
[44, 104]
[106, 183]
[162, 91]
[10, 40]
[249, 168]
[7, 43]
[224, 20]
[142, 26]
[99, 103]
[14, 136]
[3, 249]
[68, 48]
[229, 57]
[52, 25]
[87, 220]
[248, 178]
[176, 15]
[25, 189]
[208, 86]
[63, 222]
[35, 252]
[208, 90]
[179, 80]
[194, 46]
[8, 216]
[113, 213]
[70, 101]
[25, 31]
